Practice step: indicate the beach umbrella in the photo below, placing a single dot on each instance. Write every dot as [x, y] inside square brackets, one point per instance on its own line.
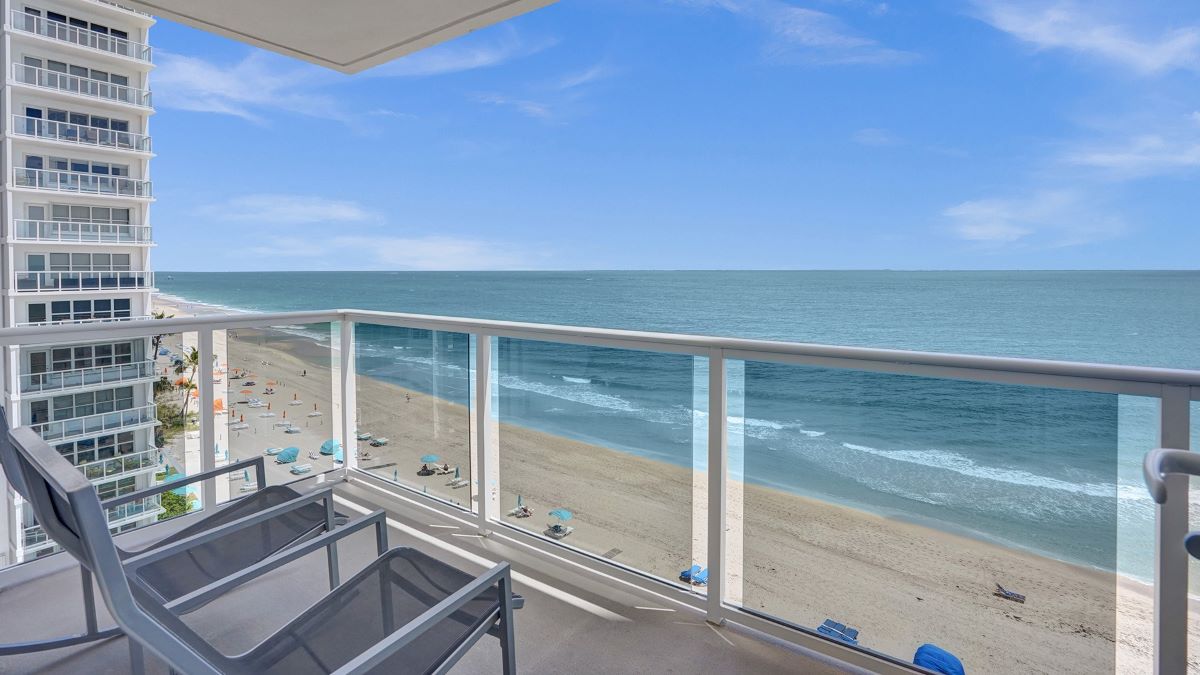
[429, 459]
[396, 475]
[285, 414]
[338, 457]
[562, 514]
[520, 502]
[247, 391]
[295, 396]
[288, 456]
[330, 446]
[246, 475]
[457, 473]
[268, 406]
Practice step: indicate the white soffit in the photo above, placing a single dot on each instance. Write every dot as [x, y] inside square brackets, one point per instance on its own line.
[346, 35]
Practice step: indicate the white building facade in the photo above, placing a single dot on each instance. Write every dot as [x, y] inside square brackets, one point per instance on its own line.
[76, 246]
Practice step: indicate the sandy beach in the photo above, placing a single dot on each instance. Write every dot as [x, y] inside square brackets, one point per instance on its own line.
[801, 559]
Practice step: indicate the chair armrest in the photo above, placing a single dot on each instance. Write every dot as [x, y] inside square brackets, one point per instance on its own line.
[133, 563]
[256, 462]
[414, 629]
[216, 588]
[1161, 462]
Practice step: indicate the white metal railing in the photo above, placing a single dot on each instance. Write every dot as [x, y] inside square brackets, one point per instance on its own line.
[83, 86]
[124, 8]
[78, 134]
[1174, 389]
[59, 380]
[65, 232]
[104, 470]
[81, 322]
[62, 282]
[62, 430]
[84, 183]
[57, 30]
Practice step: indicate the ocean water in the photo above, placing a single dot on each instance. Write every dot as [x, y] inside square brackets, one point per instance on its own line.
[1049, 470]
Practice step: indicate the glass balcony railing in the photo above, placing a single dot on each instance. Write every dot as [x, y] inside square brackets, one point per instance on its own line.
[790, 488]
[80, 233]
[117, 467]
[56, 30]
[83, 86]
[86, 425]
[34, 537]
[61, 282]
[82, 183]
[85, 377]
[78, 134]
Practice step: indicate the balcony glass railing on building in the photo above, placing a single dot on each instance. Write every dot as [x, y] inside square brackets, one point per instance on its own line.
[56, 30]
[80, 233]
[117, 316]
[34, 537]
[85, 377]
[83, 183]
[117, 467]
[61, 430]
[63, 282]
[83, 86]
[79, 134]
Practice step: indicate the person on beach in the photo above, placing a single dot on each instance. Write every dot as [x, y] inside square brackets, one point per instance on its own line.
[407, 398]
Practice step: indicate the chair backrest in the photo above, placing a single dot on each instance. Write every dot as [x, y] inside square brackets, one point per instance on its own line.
[68, 508]
[8, 460]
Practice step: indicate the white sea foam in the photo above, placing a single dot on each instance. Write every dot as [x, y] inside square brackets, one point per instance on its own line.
[576, 380]
[583, 395]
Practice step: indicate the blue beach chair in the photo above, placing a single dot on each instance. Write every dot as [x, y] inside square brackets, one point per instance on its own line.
[933, 657]
[700, 578]
[686, 575]
[838, 631]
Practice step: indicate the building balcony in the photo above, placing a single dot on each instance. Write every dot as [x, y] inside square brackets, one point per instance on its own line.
[82, 378]
[81, 322]
[82, 282]
[80, 37]
[54, 180]
[75, 85]
[61, 431]
[34, 538]
[64, 232]
[79, 135]
[736, 499]
[122, 466]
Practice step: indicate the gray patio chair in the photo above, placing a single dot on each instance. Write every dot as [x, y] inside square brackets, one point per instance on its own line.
[404, 613]
[195, 561]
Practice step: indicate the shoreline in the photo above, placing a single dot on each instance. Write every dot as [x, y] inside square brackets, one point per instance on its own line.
[800, 558]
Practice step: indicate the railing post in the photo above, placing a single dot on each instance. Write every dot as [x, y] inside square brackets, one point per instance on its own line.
[718, 456]
[348, 400]
[1170, 557]
[485, 473]
[208, 432]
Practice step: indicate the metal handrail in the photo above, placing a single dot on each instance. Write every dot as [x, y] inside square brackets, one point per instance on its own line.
[84, 86]
[58, 380]
[79, 322]
[65, 132]
[106, 280]
[114, 467]
[100, 422]
[84, 37]
[85, 183]
[70, 231]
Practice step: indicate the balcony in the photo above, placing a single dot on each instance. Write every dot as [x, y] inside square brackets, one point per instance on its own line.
[640, 455]
[77, 134]
[65, 380]
[81, 86]
[64, 232]
[81, 322]
[82, 37]
[133, 464]
[34, 538]
[84, 282]
[77, 182]
[61, 431]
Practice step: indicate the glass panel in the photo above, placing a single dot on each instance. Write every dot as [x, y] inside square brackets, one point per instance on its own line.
[597, 450]
[274, 400]
[414, 421]
[905, 507]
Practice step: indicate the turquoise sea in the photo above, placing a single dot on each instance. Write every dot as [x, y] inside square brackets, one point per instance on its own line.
[1048, 470]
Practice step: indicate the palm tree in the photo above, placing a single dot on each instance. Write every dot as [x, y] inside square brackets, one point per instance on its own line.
[190, 364]
[156, 341]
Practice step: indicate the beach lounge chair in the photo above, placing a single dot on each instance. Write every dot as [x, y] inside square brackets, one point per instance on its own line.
[700, 578]
[379, 442]
[558, 531]
[459, 482]
[379, 620]
[363, 435]
[838, 631]
[687, 574]
[190, 558]
[301, 468]
[273, 451]
[292, 429]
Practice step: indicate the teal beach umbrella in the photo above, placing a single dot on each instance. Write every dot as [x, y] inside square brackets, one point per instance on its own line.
[429, 459]
[562, 514]
[330, 446]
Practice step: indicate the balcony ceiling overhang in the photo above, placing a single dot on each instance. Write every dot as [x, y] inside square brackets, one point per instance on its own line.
[346, 35]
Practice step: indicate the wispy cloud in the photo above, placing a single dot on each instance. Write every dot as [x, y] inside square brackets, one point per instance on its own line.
[800, 34]
[546, 100]
[290, 209]
[529, 108]
[875, 137]
[458, 56]
[1043, 219]
[594, 73]
[1079, 28]
[1170, 148]
[428, 252]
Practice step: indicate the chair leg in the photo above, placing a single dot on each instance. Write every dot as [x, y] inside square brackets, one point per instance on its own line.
[137, 658]
[508, 646]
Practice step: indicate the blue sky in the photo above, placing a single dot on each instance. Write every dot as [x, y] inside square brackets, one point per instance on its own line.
[698, 134]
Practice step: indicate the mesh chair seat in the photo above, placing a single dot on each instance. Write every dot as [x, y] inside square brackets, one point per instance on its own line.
[395, 589]
[192, 569]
